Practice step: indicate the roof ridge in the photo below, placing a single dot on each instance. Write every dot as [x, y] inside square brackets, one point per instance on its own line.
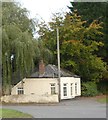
[52, 67]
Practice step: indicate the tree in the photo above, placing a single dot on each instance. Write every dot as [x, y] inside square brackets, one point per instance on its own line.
[21, 51]
[14, 14]
[98, 11]
[80, 59]
[78, 45]
[91, 11]
[19, 47]
[44, 53]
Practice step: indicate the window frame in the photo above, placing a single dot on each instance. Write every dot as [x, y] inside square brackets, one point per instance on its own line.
[20, 90]
[65, 89]
[53, 88]
[76, 88]
[71, 89]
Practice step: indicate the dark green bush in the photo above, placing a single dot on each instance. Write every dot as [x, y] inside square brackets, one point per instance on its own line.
[89, 89]
[103, 87]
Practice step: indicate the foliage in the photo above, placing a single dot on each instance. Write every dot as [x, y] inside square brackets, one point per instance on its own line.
[99, 13]
[98, 10]
[78, 45]
[83, 62]
[12, 13]
[21, 52]
[103, 87]
[89, 89]
[44, 53]
[47, 34]
[19, 47]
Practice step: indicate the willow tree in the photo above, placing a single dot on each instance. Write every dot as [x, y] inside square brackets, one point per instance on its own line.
[19, 47]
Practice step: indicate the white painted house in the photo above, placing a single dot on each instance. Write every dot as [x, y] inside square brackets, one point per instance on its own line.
[44, 85]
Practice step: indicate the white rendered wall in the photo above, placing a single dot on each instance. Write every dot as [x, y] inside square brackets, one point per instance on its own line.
[42, 86]
[36, 86]
[69, 81]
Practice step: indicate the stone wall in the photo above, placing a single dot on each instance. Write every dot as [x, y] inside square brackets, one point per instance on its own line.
[30, 99]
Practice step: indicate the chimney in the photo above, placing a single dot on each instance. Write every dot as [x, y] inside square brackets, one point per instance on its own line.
[41, 68]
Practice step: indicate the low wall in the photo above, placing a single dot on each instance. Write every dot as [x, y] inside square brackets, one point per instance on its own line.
[30, 99]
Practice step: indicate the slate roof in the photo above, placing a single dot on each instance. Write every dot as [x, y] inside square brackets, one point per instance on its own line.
[51, 71]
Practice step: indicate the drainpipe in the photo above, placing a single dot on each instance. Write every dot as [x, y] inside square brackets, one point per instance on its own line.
[58, 57]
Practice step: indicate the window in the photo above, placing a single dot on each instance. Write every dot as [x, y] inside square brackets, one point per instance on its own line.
[53, 88]
[65, 89]
[75, 88]
[20, 90]
[71, 88]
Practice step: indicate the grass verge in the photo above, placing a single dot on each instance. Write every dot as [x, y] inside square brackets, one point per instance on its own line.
[8, 113]
[103, 100]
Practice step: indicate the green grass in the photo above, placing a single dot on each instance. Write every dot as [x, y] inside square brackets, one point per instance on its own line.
[103, 100]
[8, 113]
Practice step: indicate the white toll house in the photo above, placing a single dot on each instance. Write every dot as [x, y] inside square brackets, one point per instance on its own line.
[49, 84]
[43, 86]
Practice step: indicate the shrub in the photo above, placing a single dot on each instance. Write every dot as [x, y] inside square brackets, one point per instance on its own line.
[89, 89]
[103, 87]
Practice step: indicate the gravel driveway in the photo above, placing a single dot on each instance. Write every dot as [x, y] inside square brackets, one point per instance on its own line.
[75, 108]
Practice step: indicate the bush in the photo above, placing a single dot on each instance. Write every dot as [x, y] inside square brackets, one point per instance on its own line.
[103, 87]
[89, 89]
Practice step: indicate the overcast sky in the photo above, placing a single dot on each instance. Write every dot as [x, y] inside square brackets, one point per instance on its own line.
[45, 8]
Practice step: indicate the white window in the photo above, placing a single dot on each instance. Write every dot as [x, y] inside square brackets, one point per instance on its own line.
[76, 88]
[53, 88]
[20, 90]
[71, 88]
[65, 89]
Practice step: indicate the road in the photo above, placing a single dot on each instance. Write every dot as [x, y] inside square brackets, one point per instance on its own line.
[75, 108]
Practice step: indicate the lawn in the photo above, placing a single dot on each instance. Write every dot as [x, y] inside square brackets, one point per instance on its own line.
[8, 113]
[103, 100]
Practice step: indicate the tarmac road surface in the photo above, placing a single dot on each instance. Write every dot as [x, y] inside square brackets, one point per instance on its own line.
[75, 108]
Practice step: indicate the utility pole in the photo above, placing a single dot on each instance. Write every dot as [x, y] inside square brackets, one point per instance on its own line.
[58, 58]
